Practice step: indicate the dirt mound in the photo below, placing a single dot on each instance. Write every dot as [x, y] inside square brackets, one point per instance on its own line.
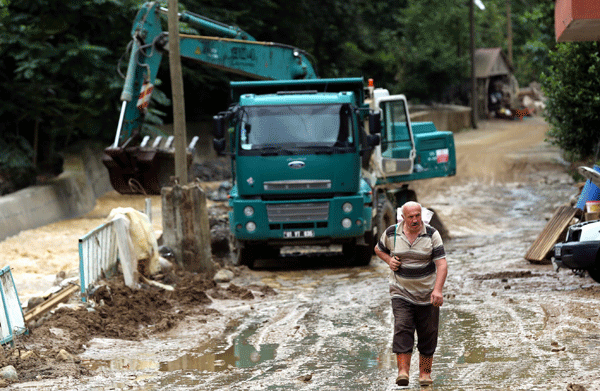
[116, 311]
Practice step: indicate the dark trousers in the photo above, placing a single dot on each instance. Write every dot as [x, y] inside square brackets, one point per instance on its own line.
[408, 318]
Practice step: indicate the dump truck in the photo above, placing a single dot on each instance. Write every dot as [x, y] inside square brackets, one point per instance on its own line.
[315, 161]
[322, 162]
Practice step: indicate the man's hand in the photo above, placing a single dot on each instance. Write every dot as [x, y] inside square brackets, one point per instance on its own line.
[394, 263]
[437, 299]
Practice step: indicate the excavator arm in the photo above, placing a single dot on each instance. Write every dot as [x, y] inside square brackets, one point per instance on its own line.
[141, 165]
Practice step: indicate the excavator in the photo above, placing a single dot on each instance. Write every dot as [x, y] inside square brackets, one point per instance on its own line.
[314, 161]
[140, 164]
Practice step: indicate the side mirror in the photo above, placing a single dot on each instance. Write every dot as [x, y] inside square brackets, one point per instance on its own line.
[375, 122]
[219, 145]
[219, 125]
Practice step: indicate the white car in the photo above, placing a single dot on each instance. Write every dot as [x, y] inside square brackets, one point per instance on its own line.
[581, 249]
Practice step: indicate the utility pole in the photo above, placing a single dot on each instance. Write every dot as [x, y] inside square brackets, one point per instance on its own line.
[473, 78]
[509, 33]
[181, 169]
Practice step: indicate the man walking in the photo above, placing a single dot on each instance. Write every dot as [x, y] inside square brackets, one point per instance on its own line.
[415, 254]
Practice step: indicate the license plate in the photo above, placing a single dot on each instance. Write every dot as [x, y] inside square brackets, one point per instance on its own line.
[298, 234]
[557, 251]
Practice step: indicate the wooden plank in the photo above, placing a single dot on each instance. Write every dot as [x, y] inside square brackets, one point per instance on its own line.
[555, 229]
[52, 302]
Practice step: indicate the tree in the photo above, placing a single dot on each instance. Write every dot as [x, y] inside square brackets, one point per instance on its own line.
[533, 26]
[58, 71]
[435, 55]
[573, 99]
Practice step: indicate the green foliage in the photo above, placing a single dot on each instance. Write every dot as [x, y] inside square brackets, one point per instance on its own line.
[573, 92]
[533, 29]
[435, 44]
[58, 67]
[60, 57]
[16, 168]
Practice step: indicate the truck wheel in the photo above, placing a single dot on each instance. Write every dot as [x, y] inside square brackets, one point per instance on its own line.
[386, 216]
[594, 272]
[363, 255]
[357, 254]
[245, 255]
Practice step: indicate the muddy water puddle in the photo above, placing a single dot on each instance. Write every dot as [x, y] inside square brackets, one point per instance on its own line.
[212, 357]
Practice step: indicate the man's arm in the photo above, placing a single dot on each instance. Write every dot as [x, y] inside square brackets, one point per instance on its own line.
[393, 262]
[437, 298]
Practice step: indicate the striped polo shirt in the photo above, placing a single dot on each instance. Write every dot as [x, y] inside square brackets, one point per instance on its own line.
[415, 279]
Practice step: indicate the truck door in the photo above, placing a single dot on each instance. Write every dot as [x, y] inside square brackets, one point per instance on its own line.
[397, 153]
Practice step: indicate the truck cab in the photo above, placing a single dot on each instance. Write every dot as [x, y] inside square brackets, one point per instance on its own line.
[297, 166]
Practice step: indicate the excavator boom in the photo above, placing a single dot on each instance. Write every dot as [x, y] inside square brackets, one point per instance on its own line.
[137, 164]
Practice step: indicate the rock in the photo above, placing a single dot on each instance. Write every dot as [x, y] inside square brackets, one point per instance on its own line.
[34, 302]
[63, 355]
[165, 265]
[29, 354]
[166, 252]
[222, 193]
[223, 275]
[575, 387]
[9, 373]
[305, 378]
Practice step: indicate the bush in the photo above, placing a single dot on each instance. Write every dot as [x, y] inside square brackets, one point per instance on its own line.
[573, 108]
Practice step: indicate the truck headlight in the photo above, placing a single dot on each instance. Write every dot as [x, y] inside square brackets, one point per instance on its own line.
[248, 211]
[346, 223]
[347, 207]
[250, 226]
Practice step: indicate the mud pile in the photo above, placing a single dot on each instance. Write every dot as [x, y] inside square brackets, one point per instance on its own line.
[116, 311]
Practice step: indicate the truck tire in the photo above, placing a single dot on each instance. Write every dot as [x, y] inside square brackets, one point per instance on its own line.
[595, 271]
[386, 216]
[245, 255]
[363, 255]
[357, 254]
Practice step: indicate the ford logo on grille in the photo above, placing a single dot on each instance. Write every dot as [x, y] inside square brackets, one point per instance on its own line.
[296, 164]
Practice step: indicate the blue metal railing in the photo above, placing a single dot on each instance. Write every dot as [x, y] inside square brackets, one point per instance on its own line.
[97, 256]
[12, 321]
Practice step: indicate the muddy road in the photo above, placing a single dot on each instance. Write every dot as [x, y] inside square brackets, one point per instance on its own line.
[506, 324]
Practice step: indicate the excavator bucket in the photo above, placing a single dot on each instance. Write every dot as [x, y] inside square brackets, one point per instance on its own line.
[143, 169]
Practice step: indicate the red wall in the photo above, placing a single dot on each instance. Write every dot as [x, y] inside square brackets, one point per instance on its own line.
[577, 20]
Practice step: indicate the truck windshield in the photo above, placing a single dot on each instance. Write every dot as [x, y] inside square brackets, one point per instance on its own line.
[292, 127]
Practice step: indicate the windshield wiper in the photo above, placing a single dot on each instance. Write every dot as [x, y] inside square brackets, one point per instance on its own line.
[330, 149]
[273, 150]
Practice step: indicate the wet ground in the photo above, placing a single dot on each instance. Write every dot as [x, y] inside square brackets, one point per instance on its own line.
[506, 324]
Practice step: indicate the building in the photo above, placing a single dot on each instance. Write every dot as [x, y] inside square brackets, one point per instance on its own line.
[497, 87]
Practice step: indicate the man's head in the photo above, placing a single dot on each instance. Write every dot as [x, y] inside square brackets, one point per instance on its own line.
[411, 213]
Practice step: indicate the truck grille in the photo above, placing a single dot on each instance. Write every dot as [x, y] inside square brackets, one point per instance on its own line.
[313, 184]
[310, 211]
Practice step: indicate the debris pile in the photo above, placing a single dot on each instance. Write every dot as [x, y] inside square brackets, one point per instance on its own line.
[571, 238]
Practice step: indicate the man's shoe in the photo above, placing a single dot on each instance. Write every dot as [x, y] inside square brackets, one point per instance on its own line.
[425, 382]
[402, 380]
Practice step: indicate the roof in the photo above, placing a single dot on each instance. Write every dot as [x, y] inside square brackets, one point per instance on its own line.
[491, 62]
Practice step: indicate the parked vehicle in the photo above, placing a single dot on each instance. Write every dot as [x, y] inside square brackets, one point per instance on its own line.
[581, 249]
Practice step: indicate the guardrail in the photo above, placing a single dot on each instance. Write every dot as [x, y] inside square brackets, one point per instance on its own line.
[12, 321]
[99, 252]
[97, 256]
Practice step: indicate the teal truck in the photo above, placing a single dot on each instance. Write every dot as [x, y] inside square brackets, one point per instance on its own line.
[322, 162]
[314, 161]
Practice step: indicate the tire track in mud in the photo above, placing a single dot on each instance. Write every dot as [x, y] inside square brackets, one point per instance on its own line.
[332, 331]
